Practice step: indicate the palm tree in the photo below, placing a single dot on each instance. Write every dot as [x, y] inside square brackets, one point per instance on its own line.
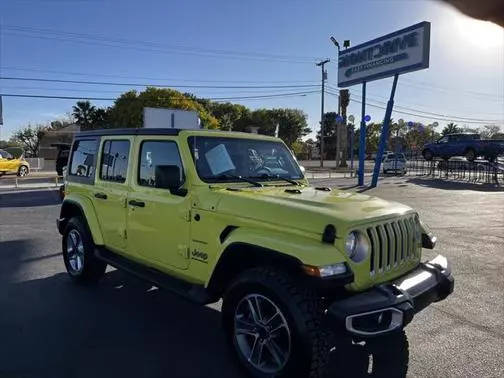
[451, 128]
[84, 114]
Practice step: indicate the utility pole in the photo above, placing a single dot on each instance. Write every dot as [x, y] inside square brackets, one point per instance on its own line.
[322, 134]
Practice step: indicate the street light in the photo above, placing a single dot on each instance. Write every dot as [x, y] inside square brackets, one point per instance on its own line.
[333, 40]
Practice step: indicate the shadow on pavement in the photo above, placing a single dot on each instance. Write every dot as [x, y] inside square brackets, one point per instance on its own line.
[122, 327]
[29, 198]
[440, 183]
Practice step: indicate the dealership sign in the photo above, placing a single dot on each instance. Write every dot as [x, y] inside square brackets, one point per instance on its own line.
[403, 51]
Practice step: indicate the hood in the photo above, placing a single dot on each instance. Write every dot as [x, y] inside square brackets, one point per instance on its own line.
[307, 208]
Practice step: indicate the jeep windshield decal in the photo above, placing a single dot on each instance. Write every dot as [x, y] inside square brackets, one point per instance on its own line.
[222, 159]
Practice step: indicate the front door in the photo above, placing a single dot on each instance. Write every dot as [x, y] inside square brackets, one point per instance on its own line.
[158, 221]
[7, 162]
[111, 189]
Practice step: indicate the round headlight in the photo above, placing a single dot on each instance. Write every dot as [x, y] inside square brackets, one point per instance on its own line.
[356, 246]
[351, 244]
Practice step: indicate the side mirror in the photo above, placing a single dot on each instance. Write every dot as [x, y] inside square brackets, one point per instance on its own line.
[170, 177]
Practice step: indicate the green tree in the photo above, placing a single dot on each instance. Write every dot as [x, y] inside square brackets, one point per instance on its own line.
[330, 140]
[292, 123]
[6, 144]
[127, 110]
[488, 131]
[84, 114]
[451, 128]
[226, 113]
[29, 139]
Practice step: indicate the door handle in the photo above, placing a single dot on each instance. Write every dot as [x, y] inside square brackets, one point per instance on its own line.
[137, 203]
[101, 195]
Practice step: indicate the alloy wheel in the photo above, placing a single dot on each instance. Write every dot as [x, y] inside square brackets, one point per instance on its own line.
[75, 251]
[23, 171]
[262, 333]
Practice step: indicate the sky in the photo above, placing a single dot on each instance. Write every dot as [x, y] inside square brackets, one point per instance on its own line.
[242, 43]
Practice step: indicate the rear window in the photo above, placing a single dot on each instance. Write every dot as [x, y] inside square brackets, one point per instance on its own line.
[83, 158]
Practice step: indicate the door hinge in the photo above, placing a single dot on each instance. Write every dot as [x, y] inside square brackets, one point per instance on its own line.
[188, 216]
[125, 234]
[184, 251]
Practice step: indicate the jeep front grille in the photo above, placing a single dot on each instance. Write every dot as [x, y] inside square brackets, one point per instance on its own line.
[392, 244]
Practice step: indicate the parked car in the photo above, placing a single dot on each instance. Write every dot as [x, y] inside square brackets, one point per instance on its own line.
[10, 164]
[62, 157]
[214, 214]
[470, 146]
[394, 162]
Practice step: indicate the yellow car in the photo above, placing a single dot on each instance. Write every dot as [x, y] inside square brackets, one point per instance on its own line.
[10, 164]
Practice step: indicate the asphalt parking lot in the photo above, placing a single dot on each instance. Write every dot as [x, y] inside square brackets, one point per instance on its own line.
[124, 327]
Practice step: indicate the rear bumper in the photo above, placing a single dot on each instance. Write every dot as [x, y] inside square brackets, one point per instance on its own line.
[390, 307]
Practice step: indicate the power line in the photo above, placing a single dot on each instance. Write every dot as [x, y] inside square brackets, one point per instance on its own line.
[99, 37]
[10, 68]
[446, 89]
[90, 39]
[291, 94]
[201, 93]
[154, 85]
[426, 86]
[422, 116]
[432, 113]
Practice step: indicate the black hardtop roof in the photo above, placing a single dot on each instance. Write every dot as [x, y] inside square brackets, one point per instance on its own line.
[462, 134]
[161, 131]
[128, 131]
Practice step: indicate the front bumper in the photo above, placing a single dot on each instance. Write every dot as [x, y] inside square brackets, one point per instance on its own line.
[389, 307]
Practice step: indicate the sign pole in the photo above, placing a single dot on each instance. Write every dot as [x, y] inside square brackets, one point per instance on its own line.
[384, 133]
[362, 141]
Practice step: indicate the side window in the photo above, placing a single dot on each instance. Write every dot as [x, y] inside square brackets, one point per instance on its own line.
[83, 157]
[156, 157]
[443, 140]
[114, 160]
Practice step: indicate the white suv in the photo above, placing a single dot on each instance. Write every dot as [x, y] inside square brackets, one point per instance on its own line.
[394, 162]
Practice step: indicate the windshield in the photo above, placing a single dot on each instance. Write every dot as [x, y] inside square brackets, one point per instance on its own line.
[219, 159]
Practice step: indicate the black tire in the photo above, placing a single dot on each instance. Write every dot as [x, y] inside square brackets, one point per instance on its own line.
[91, 269]
[301, 310]
[23, 171]
[427, 154]
[470, 155]
[390, 355]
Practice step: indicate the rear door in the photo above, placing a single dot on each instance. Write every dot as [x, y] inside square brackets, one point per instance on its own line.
[111, 189]
[158, 221]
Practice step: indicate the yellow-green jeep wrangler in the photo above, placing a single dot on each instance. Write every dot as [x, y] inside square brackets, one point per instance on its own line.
[213, 215]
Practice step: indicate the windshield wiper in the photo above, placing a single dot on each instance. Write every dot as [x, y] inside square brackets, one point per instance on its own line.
[240, 178]
[278, 177]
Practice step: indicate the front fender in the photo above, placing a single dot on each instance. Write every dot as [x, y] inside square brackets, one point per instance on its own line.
[86, 207]
[306, 250]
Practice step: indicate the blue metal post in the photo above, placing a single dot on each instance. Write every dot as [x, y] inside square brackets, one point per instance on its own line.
[362, 141]
[384, 133]
[351, 149]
